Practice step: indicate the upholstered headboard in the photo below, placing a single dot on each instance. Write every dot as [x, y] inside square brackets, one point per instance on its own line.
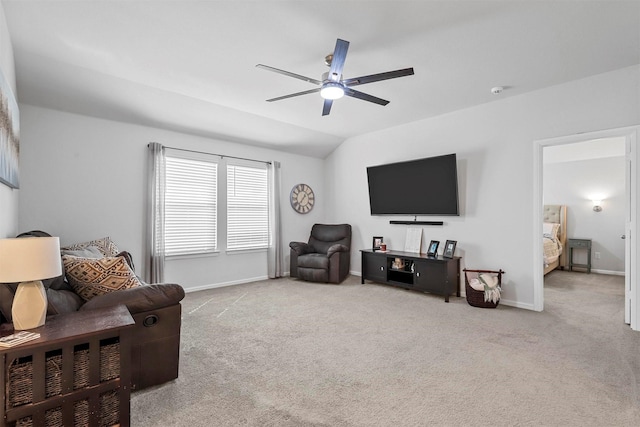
[557, 214]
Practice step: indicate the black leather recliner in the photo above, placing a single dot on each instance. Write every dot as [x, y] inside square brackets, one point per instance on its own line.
[326, 258]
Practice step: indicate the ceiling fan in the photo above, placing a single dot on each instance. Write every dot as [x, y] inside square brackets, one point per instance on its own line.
[333, 86]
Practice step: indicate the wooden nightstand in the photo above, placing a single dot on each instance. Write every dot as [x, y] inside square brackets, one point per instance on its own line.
[77, 373]
[579, 244]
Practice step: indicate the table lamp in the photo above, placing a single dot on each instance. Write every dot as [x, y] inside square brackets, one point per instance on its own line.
[29, 260]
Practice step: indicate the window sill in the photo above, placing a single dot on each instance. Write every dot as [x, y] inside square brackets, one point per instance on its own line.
[244, 251]
[187, 256]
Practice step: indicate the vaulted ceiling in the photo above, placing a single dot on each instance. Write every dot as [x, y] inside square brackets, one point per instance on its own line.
[189, 66]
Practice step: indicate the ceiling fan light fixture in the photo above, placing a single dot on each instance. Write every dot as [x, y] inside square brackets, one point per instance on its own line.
[332, 90]
[332, 86]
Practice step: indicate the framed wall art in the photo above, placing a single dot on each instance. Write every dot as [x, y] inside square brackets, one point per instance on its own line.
[9, 136]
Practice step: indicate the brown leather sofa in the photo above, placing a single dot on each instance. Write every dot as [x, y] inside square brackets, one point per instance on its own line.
[155, 308]
[326, 257]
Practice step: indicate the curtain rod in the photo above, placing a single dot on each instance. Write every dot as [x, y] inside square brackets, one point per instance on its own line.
[214, 154]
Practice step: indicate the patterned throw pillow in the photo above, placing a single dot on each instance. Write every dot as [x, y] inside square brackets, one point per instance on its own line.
[105, 245]
[91, 277]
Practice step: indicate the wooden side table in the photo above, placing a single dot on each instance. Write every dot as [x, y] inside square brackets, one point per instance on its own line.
[77, 373]
[580, 244]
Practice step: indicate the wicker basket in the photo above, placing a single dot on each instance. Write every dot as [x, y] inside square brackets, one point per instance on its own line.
[109, 364]
[109, 361]
[476, 298]
[52, 418]
[109, 408]
[19, 387]
[81, 413]
[53, 376]
[80, 367]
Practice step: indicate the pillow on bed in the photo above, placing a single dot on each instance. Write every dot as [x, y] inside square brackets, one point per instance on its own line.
[550, 229]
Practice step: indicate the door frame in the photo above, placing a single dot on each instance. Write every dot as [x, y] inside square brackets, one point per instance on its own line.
[633, 157]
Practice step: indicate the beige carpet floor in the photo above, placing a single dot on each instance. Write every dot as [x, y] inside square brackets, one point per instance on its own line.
[290, 353]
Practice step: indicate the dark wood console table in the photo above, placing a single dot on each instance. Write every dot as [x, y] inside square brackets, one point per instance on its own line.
[77, 373]
[419, 272]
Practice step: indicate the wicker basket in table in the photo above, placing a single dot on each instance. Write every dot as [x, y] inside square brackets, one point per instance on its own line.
[52, 418]
[109, 408]
[476, 298]
[19, 387]
[81, 412]
[109, 413]
[109, 361]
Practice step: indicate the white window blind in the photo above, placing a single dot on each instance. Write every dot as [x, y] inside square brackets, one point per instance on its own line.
[247, 207]
[190, 206]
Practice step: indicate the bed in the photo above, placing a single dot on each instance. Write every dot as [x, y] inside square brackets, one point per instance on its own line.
[554, 237]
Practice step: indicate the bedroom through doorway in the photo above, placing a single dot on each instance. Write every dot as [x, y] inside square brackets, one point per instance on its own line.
[590, 176]
[583, 187]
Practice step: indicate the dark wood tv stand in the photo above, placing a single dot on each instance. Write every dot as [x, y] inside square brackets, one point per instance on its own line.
[419, 272]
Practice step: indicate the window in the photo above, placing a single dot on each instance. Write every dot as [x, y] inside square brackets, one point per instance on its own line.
[191, 206]
[247, 207]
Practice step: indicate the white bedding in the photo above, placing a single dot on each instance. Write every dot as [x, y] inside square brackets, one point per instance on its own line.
[552, 248]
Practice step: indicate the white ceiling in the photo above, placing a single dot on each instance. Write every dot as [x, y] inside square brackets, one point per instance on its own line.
[189, 66]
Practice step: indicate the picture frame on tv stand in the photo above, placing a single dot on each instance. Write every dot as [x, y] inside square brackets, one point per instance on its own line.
[449, 248]
[377, 241]
[433, 248]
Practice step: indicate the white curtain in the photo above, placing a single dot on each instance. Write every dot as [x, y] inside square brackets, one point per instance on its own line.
[274, 253]
[155, 214]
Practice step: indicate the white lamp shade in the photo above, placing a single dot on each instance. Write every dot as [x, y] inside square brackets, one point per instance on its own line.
[29, 258]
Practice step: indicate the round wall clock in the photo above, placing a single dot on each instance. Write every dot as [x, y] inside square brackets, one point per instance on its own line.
[302, 198]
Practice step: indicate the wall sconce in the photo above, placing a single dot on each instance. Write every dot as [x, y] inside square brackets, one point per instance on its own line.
[597, 205]
[29, 260]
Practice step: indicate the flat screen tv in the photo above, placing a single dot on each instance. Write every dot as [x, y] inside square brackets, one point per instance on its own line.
[426, 186]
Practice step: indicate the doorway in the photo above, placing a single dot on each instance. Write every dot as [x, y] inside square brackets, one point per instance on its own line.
[632, 300]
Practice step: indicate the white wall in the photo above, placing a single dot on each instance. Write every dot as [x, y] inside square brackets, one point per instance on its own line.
[8, 196]
[574, 184]
[84, 178]
[494, 144]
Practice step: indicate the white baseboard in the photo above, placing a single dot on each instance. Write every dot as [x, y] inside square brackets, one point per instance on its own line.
[609, 272]
[231, 283]
[224, 284]
[517, 304]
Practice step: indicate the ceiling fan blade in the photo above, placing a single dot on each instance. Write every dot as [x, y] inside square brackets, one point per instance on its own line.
[377, 77]
[287, 73]
[326, 108]
[339, 56]
[306, 92]
[365, 97]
